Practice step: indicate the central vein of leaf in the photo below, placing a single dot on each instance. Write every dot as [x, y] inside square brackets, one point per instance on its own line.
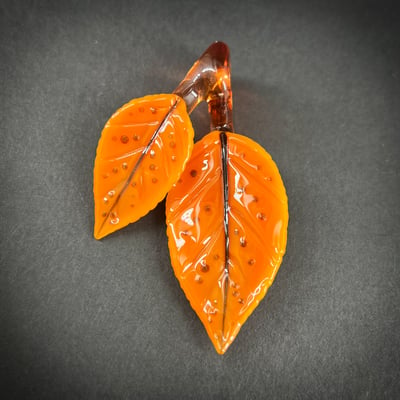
[224, 160]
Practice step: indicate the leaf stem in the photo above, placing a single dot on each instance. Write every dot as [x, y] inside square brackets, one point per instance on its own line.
[209, 80]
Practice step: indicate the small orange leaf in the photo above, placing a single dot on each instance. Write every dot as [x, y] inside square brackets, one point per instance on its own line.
[142, 151]
[227, 224]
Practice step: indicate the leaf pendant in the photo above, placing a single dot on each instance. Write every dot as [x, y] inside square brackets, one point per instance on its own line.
[227, 224]
[145, 145]
[142, 152]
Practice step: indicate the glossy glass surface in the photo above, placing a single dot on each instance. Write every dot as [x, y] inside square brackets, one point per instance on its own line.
[227, 216]
[144, 146]
[209, 80]
[142, 152]
[226, 266]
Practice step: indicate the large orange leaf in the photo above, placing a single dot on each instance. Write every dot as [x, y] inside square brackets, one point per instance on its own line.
[226, 222]
[143, 150]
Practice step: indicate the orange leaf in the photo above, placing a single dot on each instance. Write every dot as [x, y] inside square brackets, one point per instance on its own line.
[227, 224]
[142, 152]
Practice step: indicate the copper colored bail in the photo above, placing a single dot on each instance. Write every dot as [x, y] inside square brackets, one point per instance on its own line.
[209, 79]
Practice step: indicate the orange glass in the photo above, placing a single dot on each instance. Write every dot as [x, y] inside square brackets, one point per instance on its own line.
[227, 218]
[146, 144]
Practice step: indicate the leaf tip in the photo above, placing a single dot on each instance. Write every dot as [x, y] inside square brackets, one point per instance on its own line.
[98, 233]
[221, 345]
[97, 236]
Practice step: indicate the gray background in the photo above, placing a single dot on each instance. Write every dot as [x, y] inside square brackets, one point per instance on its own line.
[315, 83]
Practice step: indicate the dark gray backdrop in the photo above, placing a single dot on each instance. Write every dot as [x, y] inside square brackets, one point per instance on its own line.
[317, 84]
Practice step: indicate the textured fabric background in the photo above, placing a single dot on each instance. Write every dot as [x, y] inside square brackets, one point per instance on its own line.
[317, 83]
